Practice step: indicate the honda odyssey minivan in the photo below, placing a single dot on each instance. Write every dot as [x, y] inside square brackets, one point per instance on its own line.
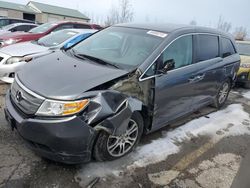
[96, 99]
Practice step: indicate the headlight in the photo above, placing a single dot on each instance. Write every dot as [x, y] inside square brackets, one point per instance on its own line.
[245, 65]
[61, 108]
[10, 41]
[13, 60]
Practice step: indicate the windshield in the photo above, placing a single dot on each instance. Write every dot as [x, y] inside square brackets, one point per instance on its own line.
[3, 22]
[244, 49]
[42, 28]
[124, 47]
[7, 27]
[56, 38]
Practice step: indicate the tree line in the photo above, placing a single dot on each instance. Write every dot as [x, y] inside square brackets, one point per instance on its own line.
[123, 12]
[240, 33]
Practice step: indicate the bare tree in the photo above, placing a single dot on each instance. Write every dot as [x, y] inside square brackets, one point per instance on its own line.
[113, 17]
[193, 22]
[240, 33]
[127, 13]
[121, 14]
[97, 19]
[224, 25]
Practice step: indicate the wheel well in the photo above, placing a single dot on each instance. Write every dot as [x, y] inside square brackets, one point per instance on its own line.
[231, 80]
[147, 118]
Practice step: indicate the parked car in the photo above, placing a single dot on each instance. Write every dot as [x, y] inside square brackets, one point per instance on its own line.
[17, 27]
[96, 99]
[243, 76]
[7, 21]
[15, 56]
[41, 31]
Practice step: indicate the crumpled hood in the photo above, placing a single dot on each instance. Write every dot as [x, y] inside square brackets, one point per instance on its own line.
[63, 77]
[23, 49]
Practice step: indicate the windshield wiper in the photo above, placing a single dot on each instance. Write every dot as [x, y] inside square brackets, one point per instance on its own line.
[98, 60]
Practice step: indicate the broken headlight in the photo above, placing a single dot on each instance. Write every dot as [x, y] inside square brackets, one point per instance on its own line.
[61, 108]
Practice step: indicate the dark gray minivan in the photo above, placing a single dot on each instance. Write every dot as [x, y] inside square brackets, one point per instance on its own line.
[96, 99]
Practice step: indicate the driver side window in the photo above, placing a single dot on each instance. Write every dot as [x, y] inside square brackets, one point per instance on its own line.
[180, 52]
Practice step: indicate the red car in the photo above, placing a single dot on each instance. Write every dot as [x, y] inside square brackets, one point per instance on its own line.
[42, 30]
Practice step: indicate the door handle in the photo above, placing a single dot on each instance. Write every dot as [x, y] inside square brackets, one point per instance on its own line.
[196, 78]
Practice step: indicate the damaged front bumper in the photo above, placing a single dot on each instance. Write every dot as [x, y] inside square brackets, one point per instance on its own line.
[71, 139]
[67, 140]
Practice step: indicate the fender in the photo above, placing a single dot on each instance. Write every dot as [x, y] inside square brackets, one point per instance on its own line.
[111, 111]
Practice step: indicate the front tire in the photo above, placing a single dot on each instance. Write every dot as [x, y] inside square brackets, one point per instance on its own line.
[222, 94]
[110, 147]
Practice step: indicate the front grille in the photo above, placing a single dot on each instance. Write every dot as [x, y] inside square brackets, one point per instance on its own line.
[26, 101]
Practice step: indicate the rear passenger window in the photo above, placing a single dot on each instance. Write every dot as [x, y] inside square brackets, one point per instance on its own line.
[19, 28]
[227, 47]
[207, 47]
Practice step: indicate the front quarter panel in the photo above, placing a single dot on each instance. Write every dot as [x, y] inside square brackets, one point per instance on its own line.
[110, 111]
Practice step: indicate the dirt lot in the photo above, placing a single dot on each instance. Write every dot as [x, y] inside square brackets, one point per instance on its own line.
[202, 150]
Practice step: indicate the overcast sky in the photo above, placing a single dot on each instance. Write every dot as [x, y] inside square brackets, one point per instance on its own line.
[204, 12]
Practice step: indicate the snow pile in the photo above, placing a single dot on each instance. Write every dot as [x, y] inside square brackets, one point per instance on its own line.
[246, 94]
[229, 119]
[159, 149]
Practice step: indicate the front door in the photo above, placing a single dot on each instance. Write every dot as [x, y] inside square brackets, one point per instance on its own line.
[174, 89]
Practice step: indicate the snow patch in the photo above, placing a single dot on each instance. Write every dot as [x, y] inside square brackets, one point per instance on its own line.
[246, 94]
[229, 121]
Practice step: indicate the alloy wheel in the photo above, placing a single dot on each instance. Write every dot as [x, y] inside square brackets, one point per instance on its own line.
[223, 92]
[119, 145]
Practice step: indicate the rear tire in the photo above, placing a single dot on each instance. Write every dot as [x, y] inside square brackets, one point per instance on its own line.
[222, 94]
[109, 147]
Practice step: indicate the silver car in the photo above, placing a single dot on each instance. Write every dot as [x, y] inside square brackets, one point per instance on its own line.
[13, 57]
[25, 27]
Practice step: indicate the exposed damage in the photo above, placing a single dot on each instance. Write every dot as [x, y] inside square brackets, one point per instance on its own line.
[111, 109]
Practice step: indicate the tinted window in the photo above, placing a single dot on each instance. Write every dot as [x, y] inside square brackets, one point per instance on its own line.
[14, 21]
[181, 51]
[227, 47]
[207, 47]
[19, 28]
[81, 26]
[4, 22]
[31, 27]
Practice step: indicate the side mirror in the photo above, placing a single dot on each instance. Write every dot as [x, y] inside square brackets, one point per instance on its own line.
[169, 65]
